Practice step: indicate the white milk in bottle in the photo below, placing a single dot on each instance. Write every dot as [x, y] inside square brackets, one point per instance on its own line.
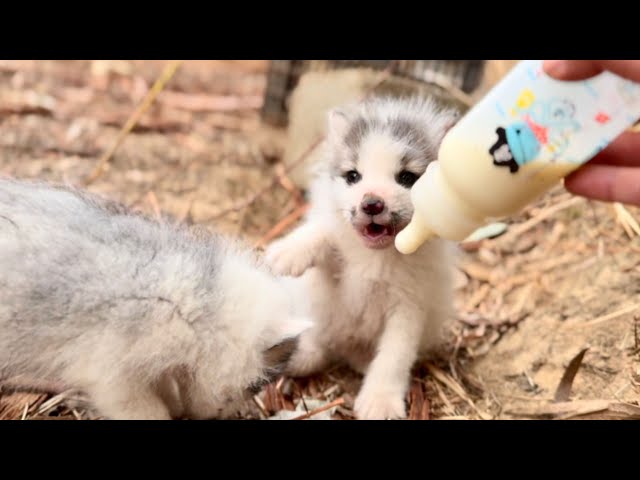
[520, 140]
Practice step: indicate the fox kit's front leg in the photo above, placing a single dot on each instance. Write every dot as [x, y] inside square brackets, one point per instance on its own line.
[385, 385]
[299, 250]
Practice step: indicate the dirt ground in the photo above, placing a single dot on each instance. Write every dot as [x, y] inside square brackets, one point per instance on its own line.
[563, 278]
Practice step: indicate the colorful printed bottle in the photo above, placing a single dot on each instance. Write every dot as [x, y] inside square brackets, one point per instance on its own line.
[520, 140]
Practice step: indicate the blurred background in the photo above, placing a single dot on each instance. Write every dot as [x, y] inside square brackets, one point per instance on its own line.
[226, 145]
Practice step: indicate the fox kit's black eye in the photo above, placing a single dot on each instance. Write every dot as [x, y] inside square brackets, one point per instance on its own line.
[406, 178]
[352, 176]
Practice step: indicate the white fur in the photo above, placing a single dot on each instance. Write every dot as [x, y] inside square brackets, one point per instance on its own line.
[376, 309]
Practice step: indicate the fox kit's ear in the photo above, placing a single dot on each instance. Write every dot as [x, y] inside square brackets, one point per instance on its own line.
[337, 122]
[452, 117]
[447, 120]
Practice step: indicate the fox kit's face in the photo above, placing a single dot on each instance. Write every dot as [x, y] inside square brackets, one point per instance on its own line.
[375, 160]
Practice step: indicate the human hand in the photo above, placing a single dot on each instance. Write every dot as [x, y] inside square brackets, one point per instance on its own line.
[614, 174]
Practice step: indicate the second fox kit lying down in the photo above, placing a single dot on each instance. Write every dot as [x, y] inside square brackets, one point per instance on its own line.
[373, 307]
[152, 321]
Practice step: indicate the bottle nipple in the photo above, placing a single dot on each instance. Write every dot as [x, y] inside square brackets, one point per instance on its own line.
[413, 235]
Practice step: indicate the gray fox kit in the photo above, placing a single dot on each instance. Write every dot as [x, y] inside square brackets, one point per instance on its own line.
[152, 321]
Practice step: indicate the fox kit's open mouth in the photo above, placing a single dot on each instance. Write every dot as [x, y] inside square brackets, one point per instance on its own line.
[377, 235]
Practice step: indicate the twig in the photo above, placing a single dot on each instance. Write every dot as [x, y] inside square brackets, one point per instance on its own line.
[445, 400]
[268, 187]
[542, 216]
[153, 200]
[159, 180]
[278, 393]
[242, 219]
[478, 296]
[420, 408]
[561, 409]
[330, 391]
[210, 103]
[261, 406]
[187, 211]
[315, 411]
[279, 227]
[456, 388]
[627, 220]
[594, 409]
[287, 184]
[66, 396]
[301, 393]
[39, 150]
[166, 75]
[605, 318]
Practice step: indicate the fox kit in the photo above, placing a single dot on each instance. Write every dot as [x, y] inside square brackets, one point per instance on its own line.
[374, 308]
[152, 321]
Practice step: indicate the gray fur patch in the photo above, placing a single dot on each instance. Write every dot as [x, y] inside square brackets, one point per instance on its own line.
[416, 123]
[103, 298]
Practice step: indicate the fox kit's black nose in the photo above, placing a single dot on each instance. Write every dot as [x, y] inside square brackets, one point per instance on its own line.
[372, 205]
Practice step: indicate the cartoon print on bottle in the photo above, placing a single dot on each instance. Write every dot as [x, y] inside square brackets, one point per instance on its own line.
[541, 126]
[626, 89]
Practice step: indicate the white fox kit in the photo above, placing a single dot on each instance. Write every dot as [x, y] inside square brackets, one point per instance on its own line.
[152, 321]
[373, 307]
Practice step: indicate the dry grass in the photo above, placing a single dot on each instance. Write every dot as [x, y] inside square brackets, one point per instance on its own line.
[562, 278]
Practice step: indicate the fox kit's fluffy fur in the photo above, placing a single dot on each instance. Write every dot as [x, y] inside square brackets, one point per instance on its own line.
[373, 307]
[152, 321]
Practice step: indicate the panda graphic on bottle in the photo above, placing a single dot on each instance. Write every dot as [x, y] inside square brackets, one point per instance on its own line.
[541, 125]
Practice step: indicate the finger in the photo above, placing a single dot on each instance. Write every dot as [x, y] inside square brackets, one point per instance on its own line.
[571, 69]
[581, 69]
[606, 183]
[624, 152]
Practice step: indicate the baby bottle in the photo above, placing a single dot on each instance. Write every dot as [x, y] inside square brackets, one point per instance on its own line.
[521, 139]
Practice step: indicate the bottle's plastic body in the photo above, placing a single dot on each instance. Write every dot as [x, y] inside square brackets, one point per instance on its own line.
[519, 141]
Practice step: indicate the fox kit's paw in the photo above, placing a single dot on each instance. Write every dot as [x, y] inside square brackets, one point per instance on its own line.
[287, 257]
[305, 363]
[379, 404]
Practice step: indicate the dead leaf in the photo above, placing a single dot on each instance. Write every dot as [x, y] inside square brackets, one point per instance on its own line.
[563, 391]
[492, 230]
